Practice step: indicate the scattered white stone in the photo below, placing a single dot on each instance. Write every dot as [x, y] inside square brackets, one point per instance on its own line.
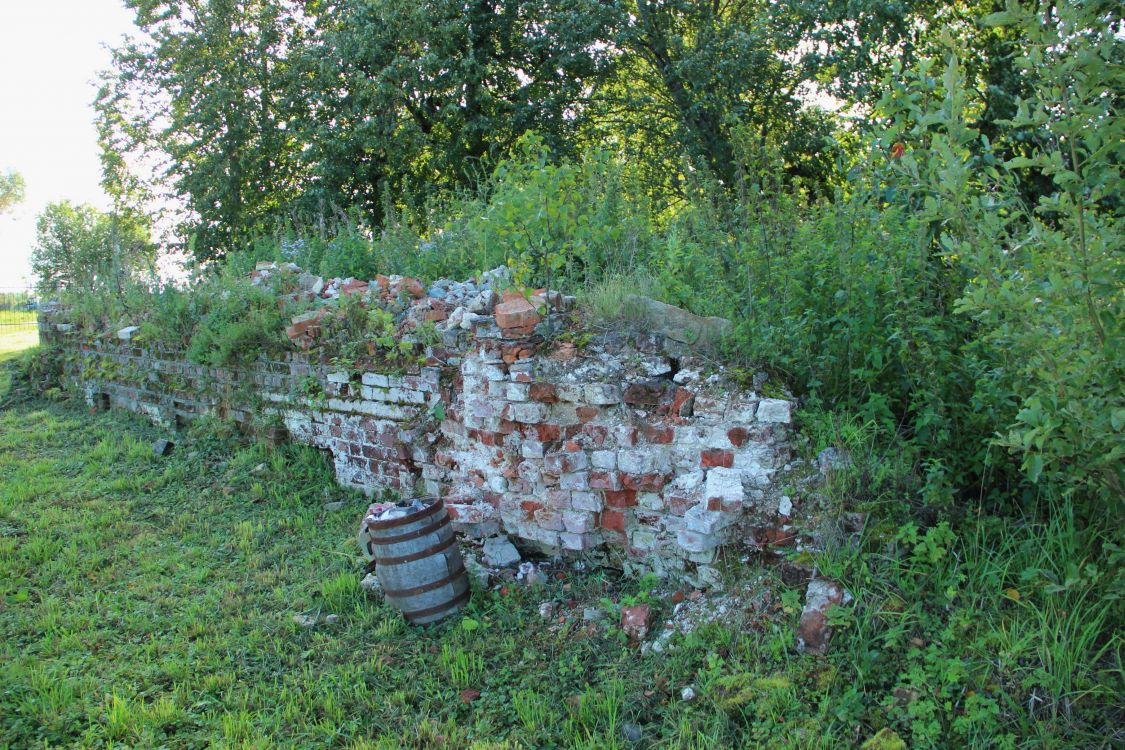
[127, 333]
[371, 584]
[501, 553]
[686, 376]
[547, 610]
[530, 575]
[785, 506]
[305, 621]
[687, 694]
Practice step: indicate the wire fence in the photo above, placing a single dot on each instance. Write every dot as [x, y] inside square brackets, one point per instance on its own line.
[19, 309]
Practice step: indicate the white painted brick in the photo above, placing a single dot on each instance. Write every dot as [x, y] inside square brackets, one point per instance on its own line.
[604, 460]
[578, 481]
[635, 461]
[694, 541]
[517, 391]
[591, 501]
[703, 521]
[578, 522]
[577, 542]
[570, 392]
[725, 484]
[602, 394]
[375, 379]
[527, 413]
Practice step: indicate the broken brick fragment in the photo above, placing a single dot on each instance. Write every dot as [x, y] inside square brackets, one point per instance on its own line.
[516, 317]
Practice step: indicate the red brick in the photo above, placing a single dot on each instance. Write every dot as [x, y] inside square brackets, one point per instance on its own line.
[516, 314]
[711, 458]
[678, 506]
[545, 392]
[621, 498]
[659, 435]
[738, 436]
[414, 288]
[644, 482]
[353, 287]
[547, 433]
[682, 403]
[613, 520]
[769, 536]
[644, 394]
[587, 413]
[604, 480]
[597, 433]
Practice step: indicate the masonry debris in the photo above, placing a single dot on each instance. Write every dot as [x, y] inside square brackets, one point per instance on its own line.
[814, 631]
[162, 447]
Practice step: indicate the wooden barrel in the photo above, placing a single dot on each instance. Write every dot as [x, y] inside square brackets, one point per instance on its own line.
[419, 564]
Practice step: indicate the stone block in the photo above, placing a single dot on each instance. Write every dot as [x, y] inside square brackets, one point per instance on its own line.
[775, 410]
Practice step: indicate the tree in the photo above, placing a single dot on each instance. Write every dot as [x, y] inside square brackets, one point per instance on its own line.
[80, 247]
[206, 79]
[412, 97]
[11, 190]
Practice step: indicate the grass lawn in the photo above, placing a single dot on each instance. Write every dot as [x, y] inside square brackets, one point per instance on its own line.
[17, 339]
[149, 602]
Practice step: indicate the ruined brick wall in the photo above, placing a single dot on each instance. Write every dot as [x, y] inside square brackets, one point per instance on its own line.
[625, 446]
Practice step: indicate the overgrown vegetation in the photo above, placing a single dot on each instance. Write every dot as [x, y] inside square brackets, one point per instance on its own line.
[936, 269]
[182, 575]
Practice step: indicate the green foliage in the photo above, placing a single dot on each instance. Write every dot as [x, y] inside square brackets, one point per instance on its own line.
[236, 323]
[559, 221]
[81, 248]
[12, 188]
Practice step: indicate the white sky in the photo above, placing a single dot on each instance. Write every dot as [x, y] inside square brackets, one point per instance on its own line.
[50, 54]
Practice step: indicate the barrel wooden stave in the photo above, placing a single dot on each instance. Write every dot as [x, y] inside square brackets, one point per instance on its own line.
[419, 564]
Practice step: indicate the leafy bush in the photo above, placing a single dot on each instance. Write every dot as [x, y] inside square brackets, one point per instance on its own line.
[560, 223]
[237, 323]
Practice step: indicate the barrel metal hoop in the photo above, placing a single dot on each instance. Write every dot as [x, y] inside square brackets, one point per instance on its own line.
[375, 541]
[419, 613]
[432, 550]
[398, 593]
[409, 518]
